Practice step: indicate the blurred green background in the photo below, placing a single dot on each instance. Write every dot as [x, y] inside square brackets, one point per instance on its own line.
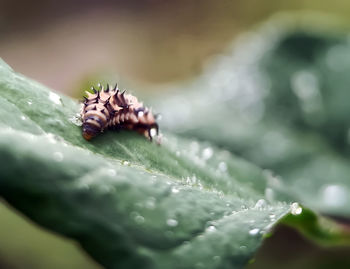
[151, 41]
[151, 44]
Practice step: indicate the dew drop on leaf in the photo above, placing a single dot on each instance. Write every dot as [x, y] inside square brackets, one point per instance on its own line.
[207, 153]
[55, 98]
[254, 231]
[296, 209]
[76, 120]
[111, 172]
[222, 167]
[211, 228]
[260, 204]
[175, 190]
[139, 219]
[216, 258]
[172, 222]
[58, 156]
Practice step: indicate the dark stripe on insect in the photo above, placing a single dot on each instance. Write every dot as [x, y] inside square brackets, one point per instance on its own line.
[95, 118]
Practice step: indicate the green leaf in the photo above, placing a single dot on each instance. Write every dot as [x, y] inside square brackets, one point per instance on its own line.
[319, 229]
[128, 202]
[280, 100]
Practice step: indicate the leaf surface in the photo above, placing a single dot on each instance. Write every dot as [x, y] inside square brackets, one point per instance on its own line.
[280, 100]
[128, 202]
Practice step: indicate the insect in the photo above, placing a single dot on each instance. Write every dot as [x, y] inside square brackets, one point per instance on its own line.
[111, 109]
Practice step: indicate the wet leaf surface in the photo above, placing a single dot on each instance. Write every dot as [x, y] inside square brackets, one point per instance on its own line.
[280, 100]
[128, 202]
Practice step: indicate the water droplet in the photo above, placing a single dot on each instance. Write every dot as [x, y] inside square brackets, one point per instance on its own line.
[254, 231]
[150, 203]
[52, 138]
[23, 118]
[260, 204]
[272, 217]
[172, 222]
[58, 156]
[296, 209]
[211, 228]
[125, 163]
[305, 84]
[334, 195]
[140, 114]
[243, 207]
[222, 167]
[242, 247]
[76, 120]
[55, 98]
[29, 102]
[139, 219]
[216, 258]
[111, 172]
[174, 190]
[207, 153]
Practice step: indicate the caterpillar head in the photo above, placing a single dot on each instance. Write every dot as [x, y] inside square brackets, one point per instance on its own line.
[90, 129]
[94, 117]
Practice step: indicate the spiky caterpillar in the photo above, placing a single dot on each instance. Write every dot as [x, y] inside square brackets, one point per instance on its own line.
[112, 109]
